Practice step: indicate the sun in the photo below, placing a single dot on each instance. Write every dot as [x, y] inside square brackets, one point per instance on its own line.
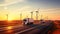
[10, 18]
[5, 8]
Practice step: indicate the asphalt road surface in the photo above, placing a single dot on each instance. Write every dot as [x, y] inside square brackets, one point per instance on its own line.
[31, 29]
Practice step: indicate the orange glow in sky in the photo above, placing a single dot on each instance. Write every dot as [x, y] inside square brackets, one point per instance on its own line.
[15, 7]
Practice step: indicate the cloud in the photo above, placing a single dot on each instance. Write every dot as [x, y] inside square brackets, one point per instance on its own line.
[10, 2]
[13, 1]
[1, 1]
[25, 9]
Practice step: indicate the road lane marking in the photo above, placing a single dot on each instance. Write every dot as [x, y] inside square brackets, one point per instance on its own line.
[31, 28]
[26, 30]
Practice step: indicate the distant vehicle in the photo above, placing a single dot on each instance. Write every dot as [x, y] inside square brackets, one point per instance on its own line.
[42, 21]
[28, 21]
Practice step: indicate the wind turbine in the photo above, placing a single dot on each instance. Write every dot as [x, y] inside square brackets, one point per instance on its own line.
[7, 16]
[31, 14]
[5, 7]
[37, 12]
[20, 16]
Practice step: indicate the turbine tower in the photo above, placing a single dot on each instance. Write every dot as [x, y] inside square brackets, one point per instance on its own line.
[46, 17]
[37, 14]
[20, 16]
[31, 14]
[7, 16]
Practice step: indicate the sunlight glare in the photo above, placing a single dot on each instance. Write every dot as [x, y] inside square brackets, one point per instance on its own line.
[9, 27]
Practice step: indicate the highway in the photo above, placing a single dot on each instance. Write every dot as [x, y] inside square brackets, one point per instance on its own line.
[31, 29]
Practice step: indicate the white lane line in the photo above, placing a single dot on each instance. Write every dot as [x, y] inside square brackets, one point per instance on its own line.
[29, 29]
[26, 30]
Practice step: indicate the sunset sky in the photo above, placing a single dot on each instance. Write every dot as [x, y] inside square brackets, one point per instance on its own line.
[13, 8]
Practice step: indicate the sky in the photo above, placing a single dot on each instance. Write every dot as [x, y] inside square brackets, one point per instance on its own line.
[47, 8]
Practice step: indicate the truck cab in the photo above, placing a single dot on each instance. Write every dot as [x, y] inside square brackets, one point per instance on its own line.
[28, 21]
